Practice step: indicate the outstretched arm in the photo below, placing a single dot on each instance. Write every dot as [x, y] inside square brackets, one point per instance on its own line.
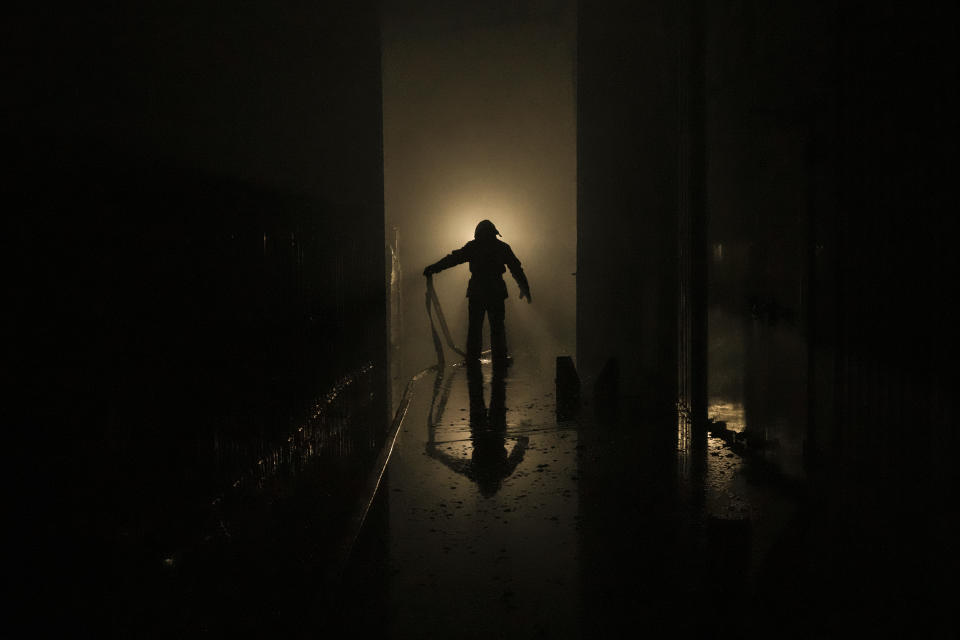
[516, 456]
[457, 465]
[517, 272]
[452, 259]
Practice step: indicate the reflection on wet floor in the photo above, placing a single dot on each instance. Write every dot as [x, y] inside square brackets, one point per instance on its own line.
[727, 412]
[758, 392]
[483, 510]
[505, 522]
[726, 493]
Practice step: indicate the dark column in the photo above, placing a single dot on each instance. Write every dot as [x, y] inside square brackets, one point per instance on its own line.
[692, 211]
[627, 137]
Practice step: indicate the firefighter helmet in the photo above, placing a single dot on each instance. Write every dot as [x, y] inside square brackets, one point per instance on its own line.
[485, 229]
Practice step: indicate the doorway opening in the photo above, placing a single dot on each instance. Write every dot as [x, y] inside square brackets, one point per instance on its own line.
[479, 122]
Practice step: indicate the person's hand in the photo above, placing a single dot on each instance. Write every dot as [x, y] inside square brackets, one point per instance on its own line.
[526, 294]
[427, 271]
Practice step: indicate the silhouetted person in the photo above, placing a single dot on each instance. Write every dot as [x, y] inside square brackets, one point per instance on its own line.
[490, 463]
[488, 258]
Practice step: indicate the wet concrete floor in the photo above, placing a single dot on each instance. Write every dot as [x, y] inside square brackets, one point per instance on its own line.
[483, 517]
[517, 524]
[496, 519]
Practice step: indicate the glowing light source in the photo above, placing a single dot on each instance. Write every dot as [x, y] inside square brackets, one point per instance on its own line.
[460, 217]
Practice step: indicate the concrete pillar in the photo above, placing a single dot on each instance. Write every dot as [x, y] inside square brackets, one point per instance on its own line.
[627, 228]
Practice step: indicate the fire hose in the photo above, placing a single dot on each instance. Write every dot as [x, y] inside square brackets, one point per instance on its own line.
[433, 307]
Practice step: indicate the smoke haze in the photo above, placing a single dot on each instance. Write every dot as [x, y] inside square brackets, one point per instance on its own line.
[479, 122]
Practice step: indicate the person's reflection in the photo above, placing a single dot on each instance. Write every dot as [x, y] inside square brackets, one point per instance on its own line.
[490, 464]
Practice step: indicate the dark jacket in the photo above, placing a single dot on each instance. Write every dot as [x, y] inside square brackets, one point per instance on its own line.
[487, 257]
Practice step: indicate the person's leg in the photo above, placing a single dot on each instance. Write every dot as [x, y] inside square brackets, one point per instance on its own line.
[498, 334]
[475, 310]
